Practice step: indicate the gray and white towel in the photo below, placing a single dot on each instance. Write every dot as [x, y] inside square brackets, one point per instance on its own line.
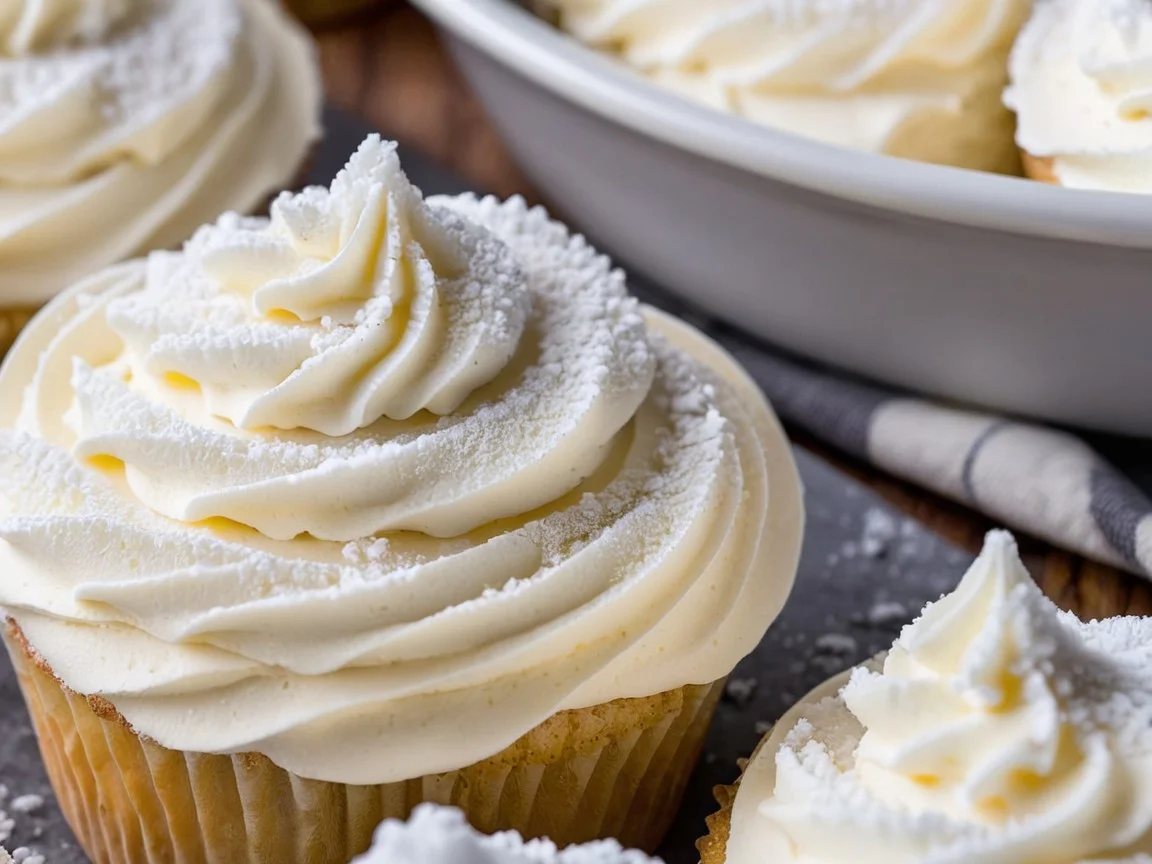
[1033, 478]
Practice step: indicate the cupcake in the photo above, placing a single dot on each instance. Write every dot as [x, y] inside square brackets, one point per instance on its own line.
[998, 729]
[914, 79]
[1081, 87]
[375, 502]
[440, 835]
[129, 123]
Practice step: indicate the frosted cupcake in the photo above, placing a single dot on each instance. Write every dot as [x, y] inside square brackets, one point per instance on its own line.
[126, 124]
[438, 835]
[918, 79]
[1082, 90]
[381, 501]
[998, 729]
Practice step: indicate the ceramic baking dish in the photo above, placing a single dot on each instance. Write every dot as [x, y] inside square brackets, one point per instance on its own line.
[991, 290]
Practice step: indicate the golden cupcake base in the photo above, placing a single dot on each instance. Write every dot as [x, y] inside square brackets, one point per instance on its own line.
[1040, 168]
[614, 770]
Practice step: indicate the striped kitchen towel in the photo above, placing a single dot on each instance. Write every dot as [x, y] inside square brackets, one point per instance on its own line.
[1053, 484]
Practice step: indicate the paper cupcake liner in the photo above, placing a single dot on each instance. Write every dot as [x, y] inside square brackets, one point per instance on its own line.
[613, 770]
[713, 847]
[12, 321]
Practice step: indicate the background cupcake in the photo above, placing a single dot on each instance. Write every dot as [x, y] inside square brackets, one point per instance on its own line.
[997, 729]
[1081, 87]
[382, 501]
[919, 80]
[129, 123]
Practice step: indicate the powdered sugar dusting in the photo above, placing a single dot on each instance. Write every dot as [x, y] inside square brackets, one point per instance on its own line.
[156, 57]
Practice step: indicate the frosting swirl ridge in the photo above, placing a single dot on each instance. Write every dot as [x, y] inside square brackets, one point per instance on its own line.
[379, 471]
[135, 121]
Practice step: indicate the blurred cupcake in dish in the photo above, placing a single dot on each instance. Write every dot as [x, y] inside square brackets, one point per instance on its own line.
[918, 79]
[378, 501]
[441, 835]
[126, 124]
[998, 729]
[1081, 87]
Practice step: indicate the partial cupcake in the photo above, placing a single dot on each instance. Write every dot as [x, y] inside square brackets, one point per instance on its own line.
[997, 730]
[129, 123]
[379, 501]
[1081, 87]
[441, 835]
[918, 79]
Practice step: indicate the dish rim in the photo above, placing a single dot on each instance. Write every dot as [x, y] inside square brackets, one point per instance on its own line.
[536, 50]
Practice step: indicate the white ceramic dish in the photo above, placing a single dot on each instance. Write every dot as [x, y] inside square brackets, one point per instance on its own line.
[991, 290]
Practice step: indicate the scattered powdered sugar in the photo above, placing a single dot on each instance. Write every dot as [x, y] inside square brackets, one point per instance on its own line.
[886, 613]
[740, 691]
[836, 643]
[21, 805]
[26, 804]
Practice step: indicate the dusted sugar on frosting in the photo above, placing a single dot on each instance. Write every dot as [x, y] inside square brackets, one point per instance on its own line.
[1082, 91]
[378, 484]
[125, 124]
[998, 729]
[36, 25]
[920, 79]
[440, 835]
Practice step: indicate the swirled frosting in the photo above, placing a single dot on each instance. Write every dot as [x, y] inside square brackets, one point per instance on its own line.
[378, 472]
[998, 729]
[920, 79]
[440, 835]
[1081, 86]
[125, 124]
[35, 25]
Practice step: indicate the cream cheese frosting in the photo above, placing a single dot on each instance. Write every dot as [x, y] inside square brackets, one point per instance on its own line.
[998, 729]
[440, 835]
[125, 124]
[1081, 86]
[920, 79]
[375, 486]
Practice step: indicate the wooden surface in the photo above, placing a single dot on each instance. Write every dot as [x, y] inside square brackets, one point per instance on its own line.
[388, 67]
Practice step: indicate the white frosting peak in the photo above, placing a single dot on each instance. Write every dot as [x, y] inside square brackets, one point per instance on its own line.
[1081, 86]
[348, 306]
[440, 835]
[998, 729]
[377, 485]
[920, 79]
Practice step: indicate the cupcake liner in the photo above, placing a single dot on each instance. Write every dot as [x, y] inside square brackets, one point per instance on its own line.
[613, 770]
[12, 321]
[713, 846]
